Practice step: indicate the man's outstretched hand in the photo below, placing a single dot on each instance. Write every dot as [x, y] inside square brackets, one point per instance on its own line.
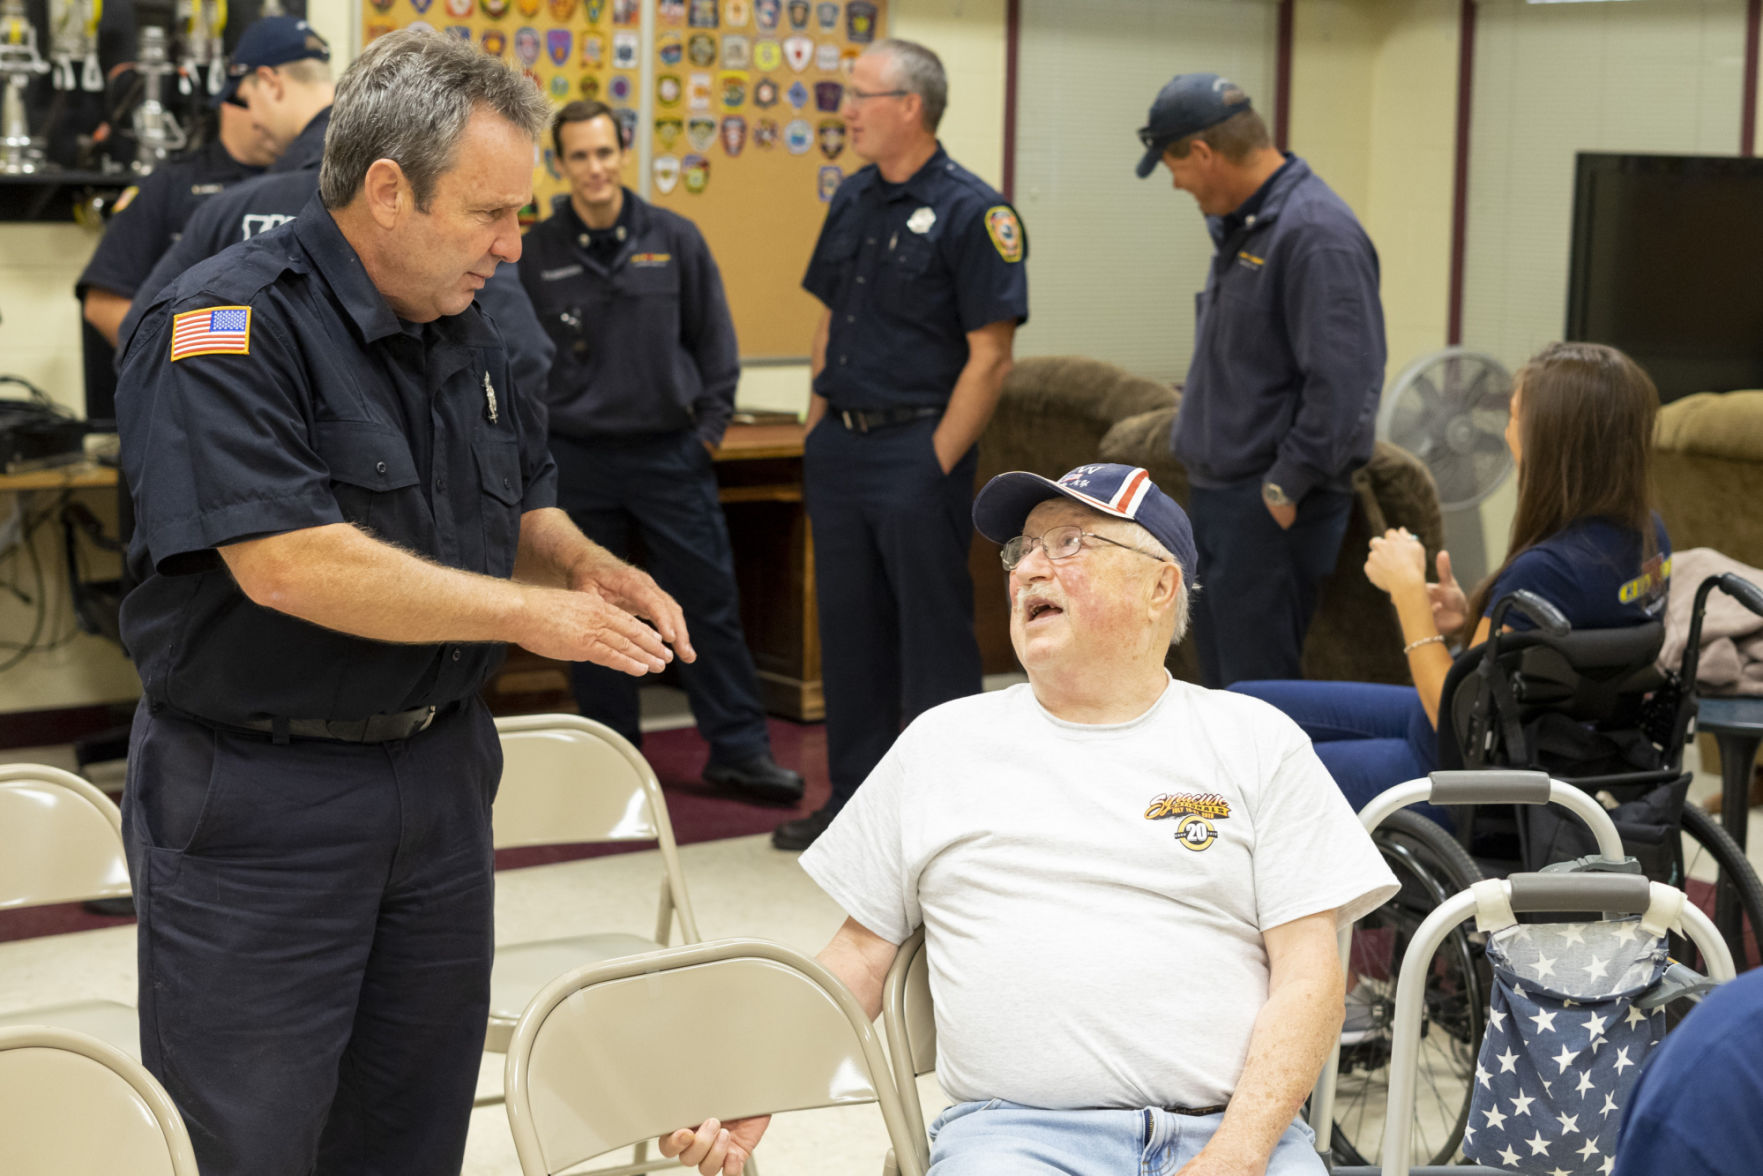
[716, 1148]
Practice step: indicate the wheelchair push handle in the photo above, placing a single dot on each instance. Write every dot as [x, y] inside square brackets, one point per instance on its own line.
[1490, 786]
[1735, 586]
[1540, 612]
[1627, 894]
[1741, 590]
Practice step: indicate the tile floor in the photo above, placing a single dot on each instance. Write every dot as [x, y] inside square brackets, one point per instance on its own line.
[739, 887]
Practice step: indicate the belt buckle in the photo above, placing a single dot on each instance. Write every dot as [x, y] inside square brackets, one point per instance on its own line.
[854, 421]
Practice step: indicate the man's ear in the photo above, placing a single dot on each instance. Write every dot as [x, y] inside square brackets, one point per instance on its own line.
[387, 193]
[1169, 583]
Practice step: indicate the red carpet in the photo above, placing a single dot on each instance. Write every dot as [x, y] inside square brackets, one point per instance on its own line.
[698, 811]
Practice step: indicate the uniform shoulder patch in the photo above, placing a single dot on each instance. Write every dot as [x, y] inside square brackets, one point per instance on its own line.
[1005, 231]
[215, 330]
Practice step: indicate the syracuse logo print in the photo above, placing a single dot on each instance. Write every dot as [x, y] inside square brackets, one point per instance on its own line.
[1193, 815]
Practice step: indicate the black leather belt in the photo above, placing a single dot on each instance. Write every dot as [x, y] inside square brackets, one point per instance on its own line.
[1196, 1110]
[373, 729]
[863, 420]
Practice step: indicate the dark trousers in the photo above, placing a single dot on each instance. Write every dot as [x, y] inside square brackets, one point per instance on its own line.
[314, 940]
[663, 488]
[1257, 582]
[891, 535]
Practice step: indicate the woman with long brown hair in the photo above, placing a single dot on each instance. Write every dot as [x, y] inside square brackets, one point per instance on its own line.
[1584, 537]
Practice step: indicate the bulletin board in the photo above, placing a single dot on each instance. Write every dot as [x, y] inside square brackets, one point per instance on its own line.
[730, 109]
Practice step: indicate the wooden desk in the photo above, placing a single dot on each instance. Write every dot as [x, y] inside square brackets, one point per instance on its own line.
[75, 476]
[759, 475]
[759, 472]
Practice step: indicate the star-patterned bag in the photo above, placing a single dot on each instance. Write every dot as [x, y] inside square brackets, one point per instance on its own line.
[1564, 1043]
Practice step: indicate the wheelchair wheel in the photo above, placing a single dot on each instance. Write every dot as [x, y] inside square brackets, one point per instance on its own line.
[1431, 866]
[1707, 846]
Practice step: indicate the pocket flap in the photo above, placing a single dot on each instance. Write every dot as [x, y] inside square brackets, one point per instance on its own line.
[498, 464]
[366, 454]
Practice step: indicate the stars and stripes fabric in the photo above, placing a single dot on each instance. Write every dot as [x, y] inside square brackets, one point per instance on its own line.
[217, 330]
[1564, 1045]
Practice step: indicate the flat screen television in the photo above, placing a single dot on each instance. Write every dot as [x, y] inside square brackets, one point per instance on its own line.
[1667, 264]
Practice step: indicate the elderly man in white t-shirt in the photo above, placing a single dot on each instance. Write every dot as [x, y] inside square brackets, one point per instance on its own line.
[1130, 886]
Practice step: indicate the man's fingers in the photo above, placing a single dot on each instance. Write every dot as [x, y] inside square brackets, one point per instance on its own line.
[711, 1164]
[1445, 568]
[672, 1145]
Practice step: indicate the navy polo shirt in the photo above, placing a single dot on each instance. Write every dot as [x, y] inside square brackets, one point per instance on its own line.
[1594, 572]
[328, 409]
[269, 201]
[908, 270]
[1289, 346]
[149, 223]
[641, 325]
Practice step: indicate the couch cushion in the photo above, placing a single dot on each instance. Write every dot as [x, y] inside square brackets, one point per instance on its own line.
[1713, 424]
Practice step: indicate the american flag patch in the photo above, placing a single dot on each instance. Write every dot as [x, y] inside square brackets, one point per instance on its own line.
[219, 330]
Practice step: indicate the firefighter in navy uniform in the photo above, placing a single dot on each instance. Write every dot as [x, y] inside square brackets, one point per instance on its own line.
[336, 480]
[920, 266]
[641, 389]
[147, 219]
[292, 100]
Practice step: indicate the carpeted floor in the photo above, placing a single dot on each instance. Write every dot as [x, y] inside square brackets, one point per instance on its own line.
[699, 812]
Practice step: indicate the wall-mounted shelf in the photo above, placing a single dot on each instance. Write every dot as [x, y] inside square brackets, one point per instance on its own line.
[50, 194]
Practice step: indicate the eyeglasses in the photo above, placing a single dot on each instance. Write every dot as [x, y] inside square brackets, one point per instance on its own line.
[854, 95]
[1058, 543]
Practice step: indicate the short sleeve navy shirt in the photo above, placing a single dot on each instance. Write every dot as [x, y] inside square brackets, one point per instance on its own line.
[907, 271]
[1594, 572]
[149, 224]
[326, 409]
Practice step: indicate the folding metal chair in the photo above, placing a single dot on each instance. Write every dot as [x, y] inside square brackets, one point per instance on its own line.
[61, 841]
[629, 1050]
[70, 1103]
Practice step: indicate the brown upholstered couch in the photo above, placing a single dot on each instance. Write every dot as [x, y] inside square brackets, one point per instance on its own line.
[1708, 464]
[1060, 412]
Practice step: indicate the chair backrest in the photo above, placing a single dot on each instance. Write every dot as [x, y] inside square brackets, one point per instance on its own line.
[70, 1103]
[909, 1022]
[569, 779]
[628, 1050]
[1602, 677]
[60, 839]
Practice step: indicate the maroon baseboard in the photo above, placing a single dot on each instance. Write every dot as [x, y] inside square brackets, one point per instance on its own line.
[41, 728]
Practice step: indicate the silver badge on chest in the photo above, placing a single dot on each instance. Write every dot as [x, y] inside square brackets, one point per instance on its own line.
[490, 399]
[922, 220]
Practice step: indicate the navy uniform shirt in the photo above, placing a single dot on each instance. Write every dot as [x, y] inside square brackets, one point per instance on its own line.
[267, 202]
[322, 408]
[147, 223]
[1289, 348]
[1595, 571]
[644, 339]
[907, 270]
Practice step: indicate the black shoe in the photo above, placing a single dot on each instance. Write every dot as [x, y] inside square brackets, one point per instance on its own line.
[759, 778]
[801, 832]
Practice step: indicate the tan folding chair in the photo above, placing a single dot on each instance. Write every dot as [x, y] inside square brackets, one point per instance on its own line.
[565, 780]
[69, 1103]
[910, 1026]
[61, 841]
[632, 1049]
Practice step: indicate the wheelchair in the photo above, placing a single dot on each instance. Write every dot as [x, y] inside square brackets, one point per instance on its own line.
[1589, 709]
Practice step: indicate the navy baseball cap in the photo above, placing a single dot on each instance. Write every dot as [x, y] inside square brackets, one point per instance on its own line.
[1124, 491]
[272, 41]
[1186, 106]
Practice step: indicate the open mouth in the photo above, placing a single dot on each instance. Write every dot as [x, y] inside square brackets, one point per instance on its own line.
[1034, 610]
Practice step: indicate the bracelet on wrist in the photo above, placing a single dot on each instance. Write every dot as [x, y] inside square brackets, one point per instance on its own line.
[1413, 645]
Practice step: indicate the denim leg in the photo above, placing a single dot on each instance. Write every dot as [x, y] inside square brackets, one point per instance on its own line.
[1174, 1140]
[1370, 736]
[1000, 1138]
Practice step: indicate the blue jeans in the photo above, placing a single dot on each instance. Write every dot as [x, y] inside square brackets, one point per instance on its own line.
[999, 1138]
[1370, 737]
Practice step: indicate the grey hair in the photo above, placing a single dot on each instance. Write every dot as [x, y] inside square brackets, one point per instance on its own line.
[408, 98]
[919, 71]
[1147, 543]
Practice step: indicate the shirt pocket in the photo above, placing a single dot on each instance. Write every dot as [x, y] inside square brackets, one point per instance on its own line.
[498, 466]
[911, 273]
[369, 464]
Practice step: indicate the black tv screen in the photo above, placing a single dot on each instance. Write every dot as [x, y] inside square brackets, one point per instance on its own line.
[1667, 264]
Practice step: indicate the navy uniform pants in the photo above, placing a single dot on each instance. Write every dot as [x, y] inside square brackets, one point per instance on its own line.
[1257, 582]
[314, 940]
[891, 536]
[663, 488]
